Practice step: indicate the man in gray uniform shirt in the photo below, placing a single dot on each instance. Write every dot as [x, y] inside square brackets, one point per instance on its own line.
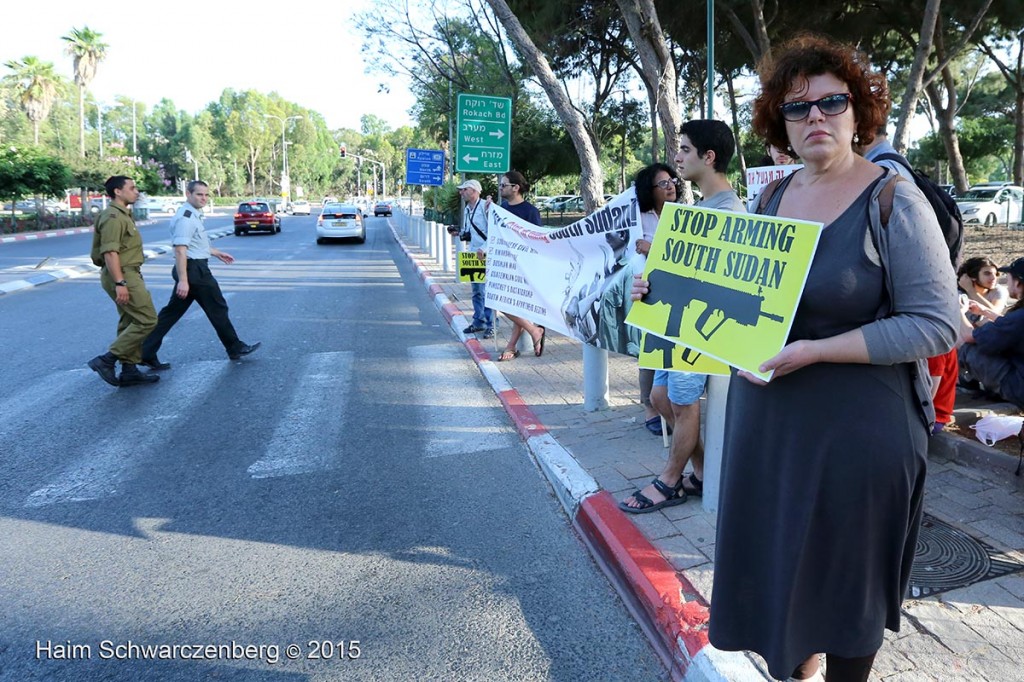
[194, 281]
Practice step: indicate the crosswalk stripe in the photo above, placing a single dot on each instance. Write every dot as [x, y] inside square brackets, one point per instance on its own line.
[101, 467]
[460, 417]
[44, 392]
[313, 421]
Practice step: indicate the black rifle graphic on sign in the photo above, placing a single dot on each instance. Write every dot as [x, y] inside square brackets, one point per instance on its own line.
[679, 292]
[656, 344]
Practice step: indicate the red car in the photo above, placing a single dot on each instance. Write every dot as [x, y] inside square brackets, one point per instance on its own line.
[258, 216]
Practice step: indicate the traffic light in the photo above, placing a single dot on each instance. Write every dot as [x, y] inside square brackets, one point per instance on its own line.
[344, 150]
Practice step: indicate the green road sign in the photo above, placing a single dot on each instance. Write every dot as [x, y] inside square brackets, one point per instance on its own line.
[484, 134]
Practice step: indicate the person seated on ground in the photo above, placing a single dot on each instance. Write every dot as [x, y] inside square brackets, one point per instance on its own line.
[705, 149]
[994, 353]
[977, 279]
[655, 184]
[512, 186]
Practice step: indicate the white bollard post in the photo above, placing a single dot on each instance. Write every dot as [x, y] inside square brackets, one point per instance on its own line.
[595, 378]
[446, 249]
[714, 437]
[435, 246]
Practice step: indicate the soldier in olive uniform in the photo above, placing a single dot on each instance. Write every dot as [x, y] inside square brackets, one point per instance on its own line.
[117, 249]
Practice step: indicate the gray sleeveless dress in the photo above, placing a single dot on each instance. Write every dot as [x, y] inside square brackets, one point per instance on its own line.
[822, 481]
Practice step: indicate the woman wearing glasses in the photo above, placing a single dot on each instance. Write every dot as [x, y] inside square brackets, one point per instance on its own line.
[512, 186]
[824, 466]
[654, 185]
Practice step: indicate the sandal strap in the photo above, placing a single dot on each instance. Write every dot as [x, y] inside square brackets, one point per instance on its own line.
[669, 492]
[697, 484]
[645, 502]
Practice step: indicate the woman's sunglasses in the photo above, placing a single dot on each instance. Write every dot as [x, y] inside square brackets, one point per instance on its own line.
[665, 184]
[831, 105]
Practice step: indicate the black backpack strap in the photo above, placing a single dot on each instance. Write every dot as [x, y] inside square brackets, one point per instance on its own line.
[892, 156]
[765, 197]
[885, 198]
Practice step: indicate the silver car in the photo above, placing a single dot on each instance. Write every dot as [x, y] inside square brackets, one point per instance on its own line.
[339, 221]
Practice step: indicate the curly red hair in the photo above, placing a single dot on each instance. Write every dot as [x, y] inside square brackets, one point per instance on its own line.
[815, 55]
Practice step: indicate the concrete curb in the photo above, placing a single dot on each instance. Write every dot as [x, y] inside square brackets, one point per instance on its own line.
[674, 610]
[81, 270]
[29, 236]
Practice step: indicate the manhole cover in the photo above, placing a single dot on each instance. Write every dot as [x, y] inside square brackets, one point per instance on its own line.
[947, 558]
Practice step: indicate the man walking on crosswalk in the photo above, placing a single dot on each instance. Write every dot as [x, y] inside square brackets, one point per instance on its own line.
[194, 281]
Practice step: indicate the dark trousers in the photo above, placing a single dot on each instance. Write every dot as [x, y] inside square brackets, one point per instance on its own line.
[203, 289]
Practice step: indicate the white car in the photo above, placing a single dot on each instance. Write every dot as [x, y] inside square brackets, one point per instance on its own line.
[340, 221]
[991, 204]
[300, 207]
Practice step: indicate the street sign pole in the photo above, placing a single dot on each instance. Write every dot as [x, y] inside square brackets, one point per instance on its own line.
[484, 134]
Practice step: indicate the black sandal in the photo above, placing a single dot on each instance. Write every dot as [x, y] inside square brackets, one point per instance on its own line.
[673, 496]
[696, 486]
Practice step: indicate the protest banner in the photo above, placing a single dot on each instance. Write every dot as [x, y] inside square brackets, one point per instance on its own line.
[471, 268]
[659, 353]
[759, 177]
[575, 279]
[724, 283]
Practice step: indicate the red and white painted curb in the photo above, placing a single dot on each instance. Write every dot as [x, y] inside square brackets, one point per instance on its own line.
[87, 268]
[29, 236]
[674, 609]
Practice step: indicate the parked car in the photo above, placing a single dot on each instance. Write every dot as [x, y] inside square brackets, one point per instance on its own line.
[991, 203]
[569, 205]
[382, 208]
[300, 207]
[338, 221]
[949, 189]
[258, 216]
[553, 201]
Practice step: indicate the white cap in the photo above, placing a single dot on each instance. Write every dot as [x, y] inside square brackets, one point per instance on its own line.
[471, 184]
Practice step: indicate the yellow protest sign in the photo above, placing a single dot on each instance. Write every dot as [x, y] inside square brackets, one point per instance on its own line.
[724, 283]
[471, 268]
[659, 353]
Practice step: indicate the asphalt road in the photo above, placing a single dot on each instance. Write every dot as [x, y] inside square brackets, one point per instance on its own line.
[352, 488]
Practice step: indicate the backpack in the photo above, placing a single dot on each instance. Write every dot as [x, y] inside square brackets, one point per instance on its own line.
[946, 211]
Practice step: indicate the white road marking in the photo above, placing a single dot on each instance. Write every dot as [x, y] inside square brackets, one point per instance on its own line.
[459, 413]
[313, 421]
[101, 467]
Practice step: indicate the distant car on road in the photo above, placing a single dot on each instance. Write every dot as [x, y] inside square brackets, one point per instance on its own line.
[162, 204]
[300, 207]
[258, 216]
[338, 221]
[382, 208]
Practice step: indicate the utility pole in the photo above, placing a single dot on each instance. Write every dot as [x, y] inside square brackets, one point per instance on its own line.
[285, 180]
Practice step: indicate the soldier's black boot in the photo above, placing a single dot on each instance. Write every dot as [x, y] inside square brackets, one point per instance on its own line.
[130, 375]
[104, 365]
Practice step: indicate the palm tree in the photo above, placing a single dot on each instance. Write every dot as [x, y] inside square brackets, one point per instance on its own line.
[37, 86]
[85, 46]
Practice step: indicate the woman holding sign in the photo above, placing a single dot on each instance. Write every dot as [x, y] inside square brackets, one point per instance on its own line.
[512, 186]
[824, 466]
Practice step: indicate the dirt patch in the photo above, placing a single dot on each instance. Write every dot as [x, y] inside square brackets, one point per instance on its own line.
[998, 243]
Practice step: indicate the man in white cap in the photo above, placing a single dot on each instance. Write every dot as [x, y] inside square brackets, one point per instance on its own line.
[475, 221]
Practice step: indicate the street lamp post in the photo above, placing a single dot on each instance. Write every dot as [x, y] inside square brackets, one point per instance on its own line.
[285, 180]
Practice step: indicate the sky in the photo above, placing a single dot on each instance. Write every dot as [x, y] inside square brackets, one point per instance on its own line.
[308, 51]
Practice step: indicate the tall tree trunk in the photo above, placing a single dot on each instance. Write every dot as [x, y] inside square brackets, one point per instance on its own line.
[736, 127]
[916, 76]
[591, 176]
[1018, 140]
[946, 119]
[656, 62]
[81, 121]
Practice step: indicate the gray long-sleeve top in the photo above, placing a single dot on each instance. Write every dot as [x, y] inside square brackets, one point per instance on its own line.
[924, 315]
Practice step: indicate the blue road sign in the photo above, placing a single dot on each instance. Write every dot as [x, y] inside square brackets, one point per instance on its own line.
[424, 167]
